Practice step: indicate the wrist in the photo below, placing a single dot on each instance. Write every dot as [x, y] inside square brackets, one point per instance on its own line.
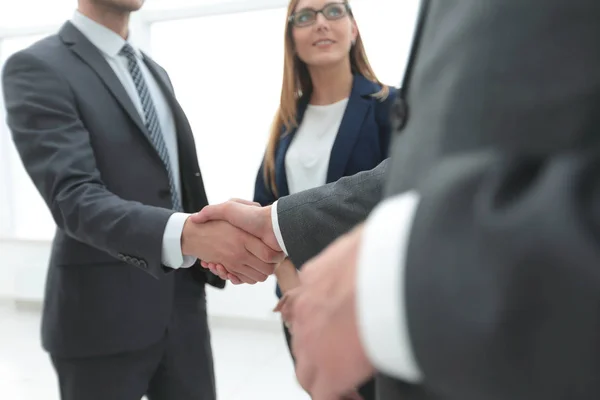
[267, 233]
[185, 238]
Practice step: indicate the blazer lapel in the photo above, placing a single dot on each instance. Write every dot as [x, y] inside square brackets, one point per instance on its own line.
[92, 56]
[280, 170]
[356, 110]
[284, 145]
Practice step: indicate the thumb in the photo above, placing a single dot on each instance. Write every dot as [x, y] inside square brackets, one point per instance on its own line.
[245, 202]
[237, 214]
[208, 213]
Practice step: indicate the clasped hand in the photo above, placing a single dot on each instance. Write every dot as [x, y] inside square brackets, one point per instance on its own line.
[235, 240]
[319, 308]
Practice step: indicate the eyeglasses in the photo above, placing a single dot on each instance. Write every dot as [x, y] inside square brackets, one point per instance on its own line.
[308, 16]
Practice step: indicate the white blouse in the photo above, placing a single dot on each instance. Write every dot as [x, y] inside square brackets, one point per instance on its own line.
[307, 159]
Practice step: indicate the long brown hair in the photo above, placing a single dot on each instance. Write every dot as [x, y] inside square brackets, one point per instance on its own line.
[296, 81]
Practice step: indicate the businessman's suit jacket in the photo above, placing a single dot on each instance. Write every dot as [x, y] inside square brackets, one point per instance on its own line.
[84, 145]
[501, 142]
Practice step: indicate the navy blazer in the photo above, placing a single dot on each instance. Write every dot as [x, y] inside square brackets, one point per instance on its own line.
[362, 141]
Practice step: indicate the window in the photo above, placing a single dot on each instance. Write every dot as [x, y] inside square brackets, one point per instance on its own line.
[387, 27]
[34, 13]
[227, 71]
[23, 213]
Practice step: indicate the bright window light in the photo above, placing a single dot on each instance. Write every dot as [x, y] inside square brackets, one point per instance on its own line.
[227, 72]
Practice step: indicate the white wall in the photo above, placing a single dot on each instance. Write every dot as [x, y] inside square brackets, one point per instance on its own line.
[23, 269]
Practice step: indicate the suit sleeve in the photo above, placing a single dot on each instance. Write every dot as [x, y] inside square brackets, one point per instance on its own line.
[56, 151]
[310, 220]
[503, 275]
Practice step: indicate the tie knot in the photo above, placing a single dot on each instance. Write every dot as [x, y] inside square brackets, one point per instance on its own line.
[127, 51]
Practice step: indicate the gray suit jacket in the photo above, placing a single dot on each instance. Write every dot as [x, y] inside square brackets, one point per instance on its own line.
[84, 146]
[502, 283]
[311, 220]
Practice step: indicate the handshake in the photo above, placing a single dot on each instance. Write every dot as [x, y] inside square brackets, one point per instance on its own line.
[235, 240]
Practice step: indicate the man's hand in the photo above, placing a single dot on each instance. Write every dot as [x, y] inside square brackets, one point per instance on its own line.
[245, 215]
[242, 253]
[287, 276]
[330, 359]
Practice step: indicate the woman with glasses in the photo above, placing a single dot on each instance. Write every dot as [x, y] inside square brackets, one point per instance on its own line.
[333, 117]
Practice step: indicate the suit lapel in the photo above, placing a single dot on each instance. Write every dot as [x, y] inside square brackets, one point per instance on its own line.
[160, 76]
[92, 56]
[284, 145]
[416, 43]
[185, 139]
[281, 173]
[349, 131]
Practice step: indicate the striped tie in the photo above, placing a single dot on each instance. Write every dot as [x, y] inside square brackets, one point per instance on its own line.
[151, 120]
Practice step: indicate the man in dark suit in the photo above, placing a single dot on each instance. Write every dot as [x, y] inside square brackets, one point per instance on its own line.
[477, 277]
[103, 138]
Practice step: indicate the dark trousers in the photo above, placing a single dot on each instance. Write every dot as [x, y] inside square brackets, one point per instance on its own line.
[367, 391]
[178, 367]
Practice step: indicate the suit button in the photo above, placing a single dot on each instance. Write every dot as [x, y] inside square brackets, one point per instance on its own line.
[164, 193]
[143, 264]
[399, 115]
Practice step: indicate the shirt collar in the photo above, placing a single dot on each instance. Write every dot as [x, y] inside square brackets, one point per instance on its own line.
[107, 41]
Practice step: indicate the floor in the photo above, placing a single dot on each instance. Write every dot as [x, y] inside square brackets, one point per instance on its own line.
[250, 363]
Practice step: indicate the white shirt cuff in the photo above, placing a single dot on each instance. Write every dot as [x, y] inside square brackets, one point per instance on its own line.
[381, 311]
[171, 246]
[276, 230]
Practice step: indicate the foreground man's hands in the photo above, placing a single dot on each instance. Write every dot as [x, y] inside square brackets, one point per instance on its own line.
[246, 216]
[330, 359]
[243, 254]
[288, 279]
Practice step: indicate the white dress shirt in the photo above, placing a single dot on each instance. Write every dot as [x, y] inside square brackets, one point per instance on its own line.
[307, 159]
[110, 44]
[380, 287]
[381, 313]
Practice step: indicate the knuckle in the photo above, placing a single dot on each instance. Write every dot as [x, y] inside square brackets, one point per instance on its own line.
[238, 254]
[274, 256]
[266, 254]
[262, 268]
[225, 207]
